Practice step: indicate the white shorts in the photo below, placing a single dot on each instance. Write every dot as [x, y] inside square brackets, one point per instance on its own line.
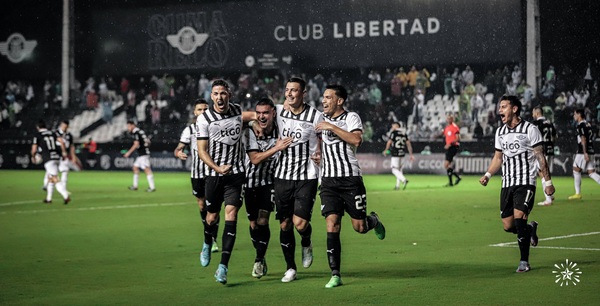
[142, 162]
[397, 162]
[51, 167]
[579, 162]
[66, 165]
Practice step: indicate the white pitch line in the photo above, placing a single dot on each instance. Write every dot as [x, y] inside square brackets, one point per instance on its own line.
[514, 243]
[96, 208]
[20, 203]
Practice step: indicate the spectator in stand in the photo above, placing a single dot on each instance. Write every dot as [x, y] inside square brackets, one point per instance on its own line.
[588, 78]
[468, 76]
[107, 111]
[550, 74]
[476, 107]
[374, 76]
[516, 76]
[561, 101]
[91, 146]
[374, 95]
[413, 74]
[124, 88]
[547, 91]
[403, 76]
[457, 81]
[448, 91]
[581, 96]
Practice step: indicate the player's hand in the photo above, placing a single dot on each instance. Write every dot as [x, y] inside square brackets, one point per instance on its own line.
[126, 155]
[484, 180]
[283, 143]
[224, 169]
[385, 152]
[586, 157]
[446, 147]
[181, 155]
[549, 190]
[316, 157]
[324, 126]
[412, 157]
[258, 131]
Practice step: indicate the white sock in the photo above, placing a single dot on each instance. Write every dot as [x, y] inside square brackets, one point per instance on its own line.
[49, 191]
[136, 179]
[62, 189]
[46, 180]
[64, 177]
[399, 175]
[577, 176]
[150, 181]
[595, 177]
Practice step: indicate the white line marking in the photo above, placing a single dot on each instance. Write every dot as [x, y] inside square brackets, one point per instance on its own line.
[514, 243]
[96, 208]
[20, 203]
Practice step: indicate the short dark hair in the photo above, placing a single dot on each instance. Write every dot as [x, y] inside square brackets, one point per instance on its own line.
[581, 112]
[41, 124]
[265, 101]
[340, 91]
[65, 122]
[513, 101]
[538, 108]
[220, 82]
[200, 101]
[299, 81]
[131, 122]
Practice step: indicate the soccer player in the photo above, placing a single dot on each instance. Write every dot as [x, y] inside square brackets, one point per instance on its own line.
[451, 134]
[584, 159]
[188, 138]
[342, 187]
[518, 146]
[296, 174]
[263, 148]
[396, 146]
[71, 162]
[549, 136]
[141, 143]
[221, 149]
[52, 148]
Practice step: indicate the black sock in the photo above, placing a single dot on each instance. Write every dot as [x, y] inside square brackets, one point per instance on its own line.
[215, 233]
[305, 235]
[450, 172]
[371, 223]
[253, 237]
[288, 246]
[334, 252]
[263, 235]
[208, 233]
[523, 237]
[229, 233]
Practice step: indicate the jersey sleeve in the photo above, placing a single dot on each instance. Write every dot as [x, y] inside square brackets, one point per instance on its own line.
[251, 144]
[535, 137]
[354, 122]
[186, 136]
[202, 125]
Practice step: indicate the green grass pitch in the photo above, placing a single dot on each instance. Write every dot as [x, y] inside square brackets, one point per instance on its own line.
[114, 246]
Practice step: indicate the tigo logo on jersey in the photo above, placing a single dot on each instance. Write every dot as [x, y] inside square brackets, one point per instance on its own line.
[512, 147]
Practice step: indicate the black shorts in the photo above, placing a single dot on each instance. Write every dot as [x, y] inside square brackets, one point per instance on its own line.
[259, 198]
[199, 187]
[295, 198]
[227, 188]
[344, 194]
[516, 197]
[451, 152]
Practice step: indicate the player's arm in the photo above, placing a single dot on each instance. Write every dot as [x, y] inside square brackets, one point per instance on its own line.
[257, 157]
[179, 151]
[72, 154]
[538, 152]
[353, 138]
[410, 150]
[34, 148]
[134, 146]
[63, 149]
[205, 157]
[388, 144]
[584, 146]
[493, 168]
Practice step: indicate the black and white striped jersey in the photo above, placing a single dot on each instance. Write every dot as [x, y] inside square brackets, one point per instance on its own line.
[48, 145]
[338, 158]
[519, 165]
[188, 137]
[584, 129]
[140, 136]
[67, 138]
[224, 135]
[294, 163]
[263, 173]
[398, 138]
